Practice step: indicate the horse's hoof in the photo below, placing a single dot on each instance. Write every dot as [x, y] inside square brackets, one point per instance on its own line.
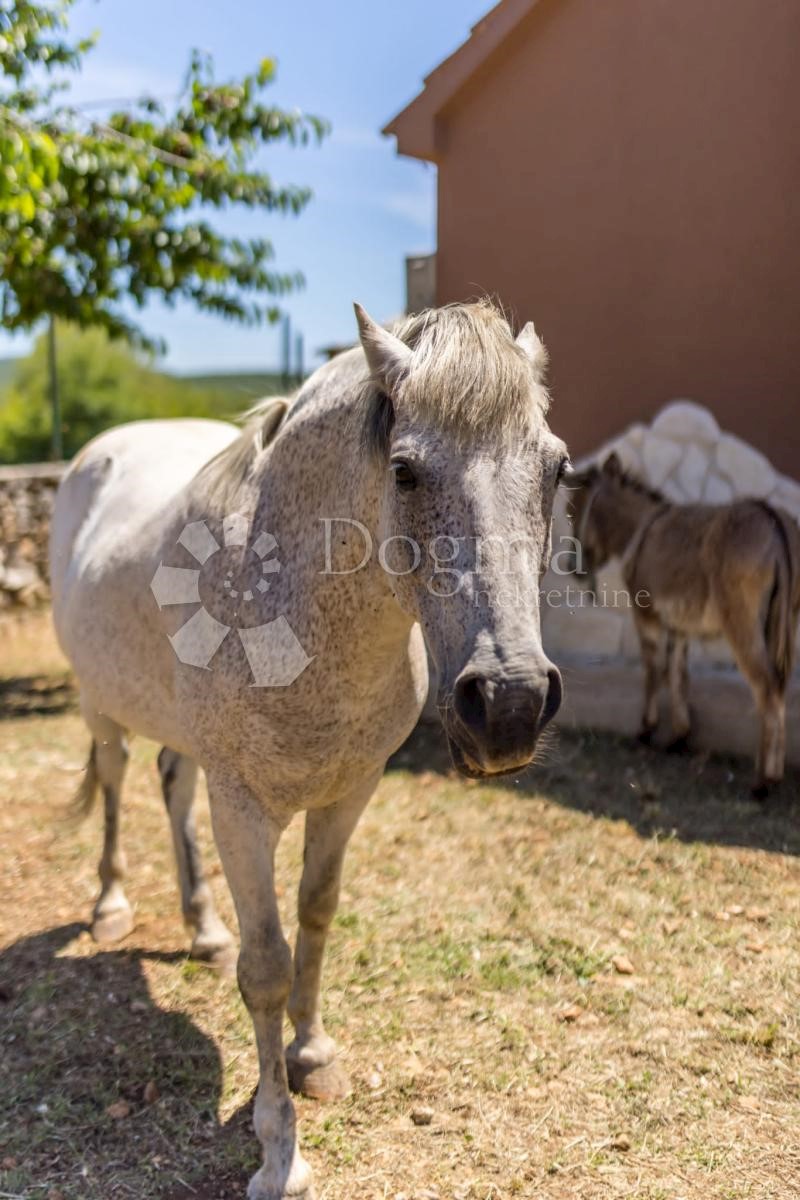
[255, 1191]
[645, 737]
[261, 1189]
[112, 926]
[221, 956]
[679, 745]
[318, 1083]
[760, 791]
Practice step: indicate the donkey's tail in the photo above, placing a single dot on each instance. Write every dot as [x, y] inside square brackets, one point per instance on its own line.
[780, 618]
[82, 802]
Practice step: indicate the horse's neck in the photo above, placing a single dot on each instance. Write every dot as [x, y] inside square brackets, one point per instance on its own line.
[316, 490]
[623, 511]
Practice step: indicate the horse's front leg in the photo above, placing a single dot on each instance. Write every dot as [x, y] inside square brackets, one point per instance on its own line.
[311, 1057]
[247, 838]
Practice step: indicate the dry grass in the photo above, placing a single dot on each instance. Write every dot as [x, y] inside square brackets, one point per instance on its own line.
[471, 970]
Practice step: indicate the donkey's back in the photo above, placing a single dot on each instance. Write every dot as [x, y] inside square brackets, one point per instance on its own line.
[705, 567]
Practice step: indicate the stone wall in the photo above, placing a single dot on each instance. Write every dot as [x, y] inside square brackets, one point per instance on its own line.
[26, 502]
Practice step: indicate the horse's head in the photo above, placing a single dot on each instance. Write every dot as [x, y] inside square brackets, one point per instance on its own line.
[468, 471]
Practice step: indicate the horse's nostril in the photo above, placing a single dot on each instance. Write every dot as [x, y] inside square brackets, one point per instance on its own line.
[553, 699]
[470, 702]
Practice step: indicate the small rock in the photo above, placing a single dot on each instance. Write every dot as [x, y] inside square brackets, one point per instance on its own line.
[139, 1006]
[422, 1115]
[757, 914]
[9, 1163]
[573, 1012]
[119, 1110]
[374, 1081]
[151, 1092]
[623, 965]
[621, 1143]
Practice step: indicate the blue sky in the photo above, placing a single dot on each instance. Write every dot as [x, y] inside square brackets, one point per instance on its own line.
[355, 62]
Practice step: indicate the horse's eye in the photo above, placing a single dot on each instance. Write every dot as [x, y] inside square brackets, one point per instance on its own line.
[404, 477]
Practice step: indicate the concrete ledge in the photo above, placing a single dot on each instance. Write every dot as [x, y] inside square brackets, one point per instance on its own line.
[608, 696]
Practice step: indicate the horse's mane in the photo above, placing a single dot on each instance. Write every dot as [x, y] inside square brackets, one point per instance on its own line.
[227, 471]
[467, 375]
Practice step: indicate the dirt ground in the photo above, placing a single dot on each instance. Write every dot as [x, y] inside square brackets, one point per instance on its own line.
[589, 976]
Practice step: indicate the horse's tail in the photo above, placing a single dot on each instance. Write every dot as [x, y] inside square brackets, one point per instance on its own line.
[780, 617]
[82, 802]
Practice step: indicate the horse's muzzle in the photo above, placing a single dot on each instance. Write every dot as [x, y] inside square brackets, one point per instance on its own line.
[495, 721]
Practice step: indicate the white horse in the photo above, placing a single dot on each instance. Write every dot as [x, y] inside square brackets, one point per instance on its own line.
[259, 603]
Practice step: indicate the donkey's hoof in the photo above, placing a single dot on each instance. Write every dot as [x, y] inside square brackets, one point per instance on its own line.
[760, 791]
[319, 1083]
[112, 926]
[645, 737]
[679, 745]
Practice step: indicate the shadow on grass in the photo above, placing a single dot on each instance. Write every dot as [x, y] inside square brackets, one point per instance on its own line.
[36, 695]
[696, 798]
[82, 1040]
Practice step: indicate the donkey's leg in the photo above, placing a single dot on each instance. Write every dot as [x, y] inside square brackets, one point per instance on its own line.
[247, 838]
[743, 630]
[311, 1057]
[113, 917]
[776, 752]
[211, 941]
[678, 673]
[650, 640]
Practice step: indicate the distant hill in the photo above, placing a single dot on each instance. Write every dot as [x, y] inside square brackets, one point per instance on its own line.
[7, 368]
[237, 390]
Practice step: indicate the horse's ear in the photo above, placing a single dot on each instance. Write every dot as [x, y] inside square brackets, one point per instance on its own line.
[532, 345]
[388, 357]
[612, 466]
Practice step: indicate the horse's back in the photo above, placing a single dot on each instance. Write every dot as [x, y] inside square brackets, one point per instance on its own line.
[115, 485]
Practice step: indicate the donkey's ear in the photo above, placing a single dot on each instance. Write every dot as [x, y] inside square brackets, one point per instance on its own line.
[532, 345]
[612, 466]
[388, 357]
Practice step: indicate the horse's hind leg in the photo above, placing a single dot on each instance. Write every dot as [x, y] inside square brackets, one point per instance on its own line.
[211, 940]
[113, 917]
[678, 674]
[311, 1057]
